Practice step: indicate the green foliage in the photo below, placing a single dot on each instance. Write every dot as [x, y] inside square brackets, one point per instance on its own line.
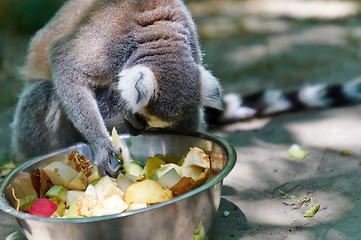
[26, 16]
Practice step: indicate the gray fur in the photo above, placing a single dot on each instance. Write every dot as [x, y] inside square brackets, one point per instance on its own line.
[107, 38]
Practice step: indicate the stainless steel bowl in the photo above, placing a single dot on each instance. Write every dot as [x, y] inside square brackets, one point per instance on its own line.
[174, 219]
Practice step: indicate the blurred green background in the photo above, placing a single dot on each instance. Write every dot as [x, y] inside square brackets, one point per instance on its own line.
[248, 44]
[19, 19]
[26, 16]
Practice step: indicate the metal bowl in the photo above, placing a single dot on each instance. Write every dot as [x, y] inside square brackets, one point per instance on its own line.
[174, 219]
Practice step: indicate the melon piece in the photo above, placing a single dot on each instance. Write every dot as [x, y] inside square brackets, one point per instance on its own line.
[57, 192]
[60, 173]
[79, 182]
[169, 178]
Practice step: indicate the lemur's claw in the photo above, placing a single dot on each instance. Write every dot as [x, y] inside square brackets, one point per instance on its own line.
[107, 163]
[113, 171]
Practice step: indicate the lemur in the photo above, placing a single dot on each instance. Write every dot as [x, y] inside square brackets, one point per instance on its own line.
[133, 65]
[129, 64]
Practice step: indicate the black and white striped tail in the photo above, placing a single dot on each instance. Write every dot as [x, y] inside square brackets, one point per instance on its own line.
[269, 102]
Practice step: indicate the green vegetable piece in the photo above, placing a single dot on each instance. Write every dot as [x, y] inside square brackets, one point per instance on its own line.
[26, 202]
[61, 208]
[57, 192]
[134, 168]
[313, 210]
[200, 232]
[95, 181]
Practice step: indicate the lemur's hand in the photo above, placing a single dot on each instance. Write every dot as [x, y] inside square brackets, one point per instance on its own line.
[104, 154]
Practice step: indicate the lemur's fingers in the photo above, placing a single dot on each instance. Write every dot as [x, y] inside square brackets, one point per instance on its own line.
[106, 160]
[114, 171]
[110, 167]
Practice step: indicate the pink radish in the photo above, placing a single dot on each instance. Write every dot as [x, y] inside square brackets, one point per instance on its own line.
[43, 207]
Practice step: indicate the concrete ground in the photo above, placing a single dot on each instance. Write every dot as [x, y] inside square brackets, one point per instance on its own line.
[257, 44]
[255, 191]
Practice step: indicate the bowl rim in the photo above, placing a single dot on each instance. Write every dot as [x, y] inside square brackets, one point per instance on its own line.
[231, 156]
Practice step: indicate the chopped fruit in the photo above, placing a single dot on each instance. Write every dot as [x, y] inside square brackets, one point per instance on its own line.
[43, 207]
[134, 168]
[197, 157]
[58, 192]
[27, 201]
[152, 164]
[77, 189]
[147, 191]
[169, 179]
[60, 173]
[79, 182]
[123, 182]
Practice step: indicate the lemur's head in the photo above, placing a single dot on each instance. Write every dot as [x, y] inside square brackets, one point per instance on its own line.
[166, 97]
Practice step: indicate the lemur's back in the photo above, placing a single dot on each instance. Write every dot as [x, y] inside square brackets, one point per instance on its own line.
[100, 18]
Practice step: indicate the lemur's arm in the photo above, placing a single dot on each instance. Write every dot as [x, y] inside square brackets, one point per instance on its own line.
[75, 94]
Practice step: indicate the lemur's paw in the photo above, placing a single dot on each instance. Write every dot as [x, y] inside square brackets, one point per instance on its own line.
[111, 169]
[106, 161]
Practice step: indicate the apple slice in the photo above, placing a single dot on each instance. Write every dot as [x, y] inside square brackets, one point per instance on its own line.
[147, 191]
[111, 205]
[106, 187]
[195, 163]
[197, 157]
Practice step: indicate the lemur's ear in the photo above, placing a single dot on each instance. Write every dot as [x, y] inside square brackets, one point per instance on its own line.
[137, 85]
[211, 91]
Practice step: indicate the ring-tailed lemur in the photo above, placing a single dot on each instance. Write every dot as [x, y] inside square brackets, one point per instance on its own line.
[132, 64]
[129, 64]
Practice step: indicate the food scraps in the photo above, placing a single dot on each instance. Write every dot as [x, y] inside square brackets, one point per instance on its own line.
[75, 188]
